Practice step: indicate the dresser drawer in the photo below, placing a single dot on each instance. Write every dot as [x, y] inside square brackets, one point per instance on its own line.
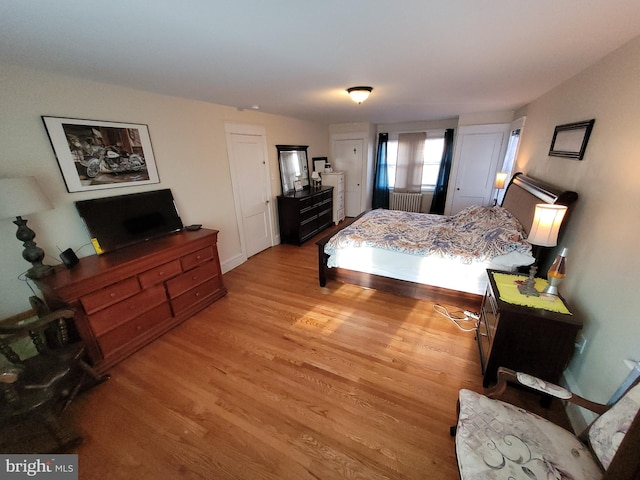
[159, 274]
[308, 214]
[196, 295]
[196, 258]
[122, 312]
[339, 200]
[177, 286]
[490, 313]
[308, 228]
[110, 295]
[484, 343]
[127, 333]
[306, 203]
[324, 197]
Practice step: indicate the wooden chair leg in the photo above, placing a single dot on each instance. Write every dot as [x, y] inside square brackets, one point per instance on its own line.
[66, 437]
[92, 373]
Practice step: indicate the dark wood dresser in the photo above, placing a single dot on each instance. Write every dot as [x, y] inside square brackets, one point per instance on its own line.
[536, 341]
[303, 214]
[127, 298]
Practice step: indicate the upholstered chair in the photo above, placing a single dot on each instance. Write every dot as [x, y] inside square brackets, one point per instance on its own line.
[496, 440]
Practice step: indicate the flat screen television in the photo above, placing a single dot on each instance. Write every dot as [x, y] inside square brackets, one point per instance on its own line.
[122, 220]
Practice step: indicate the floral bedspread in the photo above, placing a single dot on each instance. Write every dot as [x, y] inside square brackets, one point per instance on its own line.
[475, 234]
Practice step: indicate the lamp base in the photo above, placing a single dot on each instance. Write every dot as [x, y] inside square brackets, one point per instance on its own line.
[550, 290]
[552, 286]
[31, 253]
[39, 271]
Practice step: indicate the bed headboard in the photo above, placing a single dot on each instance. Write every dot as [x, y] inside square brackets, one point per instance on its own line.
[523, 193]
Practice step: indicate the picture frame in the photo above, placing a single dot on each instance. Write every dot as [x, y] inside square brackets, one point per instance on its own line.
[319, 163]
[94, 154]
[570, 140]
[297, 186]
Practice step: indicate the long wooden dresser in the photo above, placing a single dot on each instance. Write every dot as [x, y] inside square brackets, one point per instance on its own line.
[127, 298]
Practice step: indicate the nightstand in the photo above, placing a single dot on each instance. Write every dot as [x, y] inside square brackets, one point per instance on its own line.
[538, 338]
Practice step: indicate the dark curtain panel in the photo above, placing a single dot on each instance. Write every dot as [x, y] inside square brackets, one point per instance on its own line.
[381, 178]
[440, 193]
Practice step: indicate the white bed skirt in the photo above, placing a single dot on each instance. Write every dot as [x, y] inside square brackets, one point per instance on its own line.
[434, 271]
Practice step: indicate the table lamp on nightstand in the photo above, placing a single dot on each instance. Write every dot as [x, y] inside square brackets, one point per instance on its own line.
[543, 233]
[499, 183]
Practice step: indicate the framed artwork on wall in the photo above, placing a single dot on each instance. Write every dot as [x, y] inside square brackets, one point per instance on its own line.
[570, 140]
[94, 155]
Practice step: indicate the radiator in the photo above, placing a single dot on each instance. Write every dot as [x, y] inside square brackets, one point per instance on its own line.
[408, 202]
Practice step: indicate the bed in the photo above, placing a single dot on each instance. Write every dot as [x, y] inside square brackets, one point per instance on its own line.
[433, 256]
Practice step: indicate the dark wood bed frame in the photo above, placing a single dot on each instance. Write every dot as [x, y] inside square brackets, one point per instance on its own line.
[520, 198]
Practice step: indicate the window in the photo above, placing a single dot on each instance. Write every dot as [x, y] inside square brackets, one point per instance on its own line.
[433, 148]
[509, 160]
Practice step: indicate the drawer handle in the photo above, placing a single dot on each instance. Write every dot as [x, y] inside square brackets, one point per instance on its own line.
[198, 257]
[138, 327]
[195, 277]
[197, 294]
[112, 294]
[160, 274]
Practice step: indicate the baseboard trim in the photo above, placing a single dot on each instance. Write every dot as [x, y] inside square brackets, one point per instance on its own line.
[232, 263]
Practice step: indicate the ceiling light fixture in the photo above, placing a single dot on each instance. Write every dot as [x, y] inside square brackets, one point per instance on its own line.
[359, 94]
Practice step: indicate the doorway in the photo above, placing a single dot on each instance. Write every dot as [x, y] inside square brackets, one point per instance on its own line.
[348, 158]
[249, 165]
[477, 152]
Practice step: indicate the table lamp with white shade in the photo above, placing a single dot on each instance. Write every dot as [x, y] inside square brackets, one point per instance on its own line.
[544, 230]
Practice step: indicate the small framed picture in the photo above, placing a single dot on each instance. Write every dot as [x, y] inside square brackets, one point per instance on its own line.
[570, 140]
[297, 185]
[94, 154]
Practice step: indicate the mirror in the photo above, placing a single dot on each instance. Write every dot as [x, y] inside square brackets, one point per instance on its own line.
[294, 168]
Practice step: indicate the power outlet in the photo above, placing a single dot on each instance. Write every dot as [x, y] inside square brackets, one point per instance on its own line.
[581, 342]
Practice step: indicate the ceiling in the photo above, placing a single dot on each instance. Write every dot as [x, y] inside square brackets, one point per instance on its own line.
[425, 59]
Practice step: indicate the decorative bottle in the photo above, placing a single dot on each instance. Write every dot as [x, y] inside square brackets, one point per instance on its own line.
[556, 273]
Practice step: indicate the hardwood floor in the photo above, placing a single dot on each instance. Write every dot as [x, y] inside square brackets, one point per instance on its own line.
[282, 379]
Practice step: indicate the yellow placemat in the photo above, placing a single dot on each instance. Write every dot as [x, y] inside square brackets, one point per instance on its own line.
[508, 291]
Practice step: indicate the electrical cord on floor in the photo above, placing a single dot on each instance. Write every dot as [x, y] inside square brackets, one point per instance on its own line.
[467, 317]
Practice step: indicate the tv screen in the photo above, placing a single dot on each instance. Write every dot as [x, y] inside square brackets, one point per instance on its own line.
[115, 222]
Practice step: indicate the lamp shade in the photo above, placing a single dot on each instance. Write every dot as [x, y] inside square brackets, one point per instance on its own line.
[359, 94]
[21, 196]
[501, 179]
[546, 224]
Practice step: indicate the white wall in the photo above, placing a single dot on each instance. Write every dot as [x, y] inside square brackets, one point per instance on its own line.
[189, 145]
[603, 231]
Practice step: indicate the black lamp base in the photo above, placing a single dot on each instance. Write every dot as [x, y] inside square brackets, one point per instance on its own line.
[39, 271]
[31, 253]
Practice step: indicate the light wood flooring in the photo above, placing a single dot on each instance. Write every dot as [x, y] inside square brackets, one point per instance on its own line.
[282, 379]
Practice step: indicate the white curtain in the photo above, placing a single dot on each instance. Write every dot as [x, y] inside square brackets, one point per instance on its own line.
[410, 162]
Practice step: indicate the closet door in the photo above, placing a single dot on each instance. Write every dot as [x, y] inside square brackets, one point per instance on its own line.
[478, 150]
[348, 157]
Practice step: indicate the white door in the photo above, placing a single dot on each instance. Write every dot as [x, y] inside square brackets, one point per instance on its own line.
[348, 157]
[477, 152]
[249, 164]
